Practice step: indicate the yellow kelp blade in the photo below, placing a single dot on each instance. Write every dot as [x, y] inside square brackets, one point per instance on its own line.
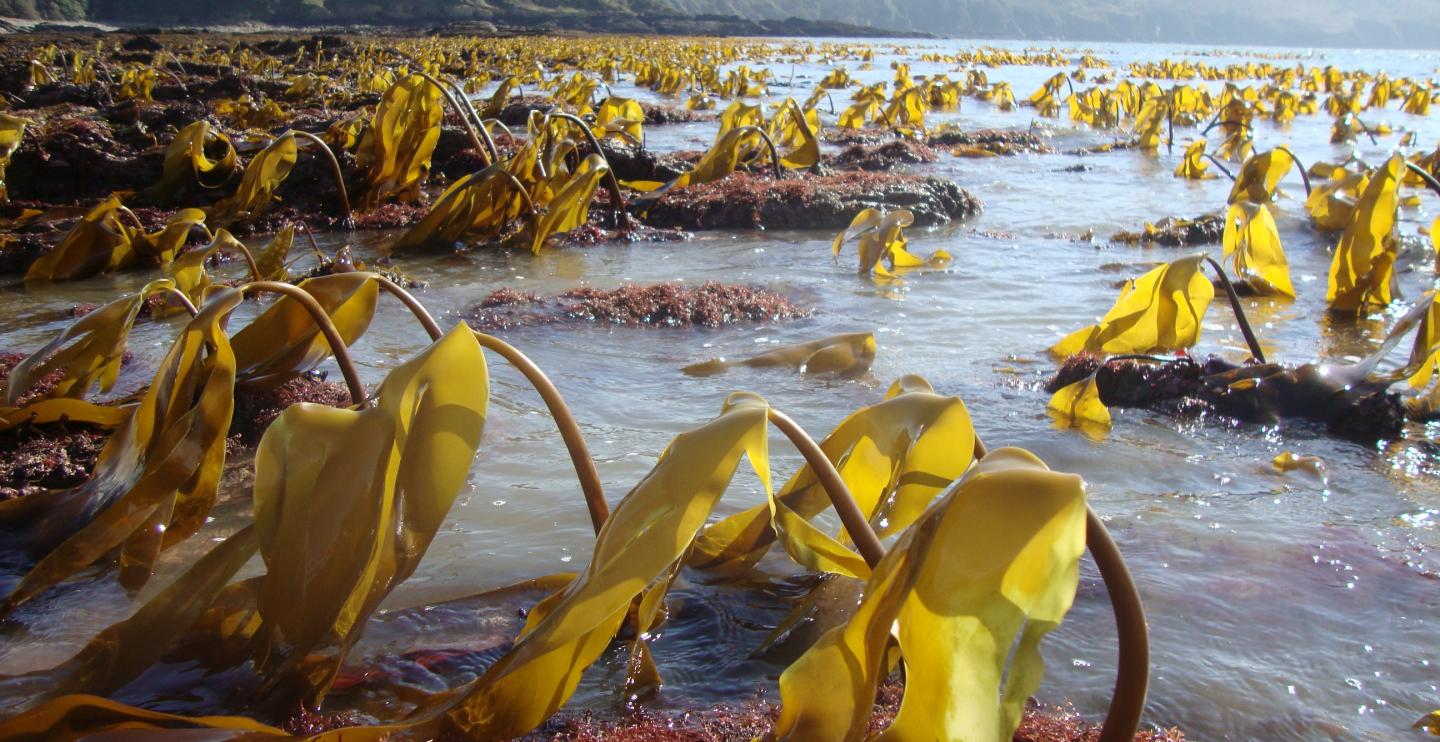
[650, 529]
[1018, 529]
[496, 104]
[733, 148]
[396, 149]
[155, 480]
[848, 355]
[271, 261]
[1159, 311]
[89, 351]
[12, 130]
[1194, 165]
[97, 243]
[76, 717]
[161, 247]
[284, 342]
[894, 456]
[1252, 249]
[807, 151]
[347, 502]
[1425, 354]
[266, 171]
[66, 410]
[739, 114]
[1332, 204]
[1079, 403]
[571, 205]
[479, 205]
[1260, 175]
[1362, 268]
[620, 118]
[186, 160]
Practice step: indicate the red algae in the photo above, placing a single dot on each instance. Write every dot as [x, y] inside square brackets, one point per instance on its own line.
[669, 304]
[256, 409]
[886, 156]
[755, 718]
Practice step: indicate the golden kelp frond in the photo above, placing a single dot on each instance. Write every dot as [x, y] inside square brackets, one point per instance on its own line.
[620, 118]
[271, 260]
[12, 131]
[906, 113]
[187, 160]
[396, 148]
[1363, 265]
[881, 240]
[88, 352]
[796, 129]
[1260, 175]
[895, 457]
[1159, 311]
[155, 481]
[969, 637]
[1079, 404]
[478, 206]
[161, 247]
[648, 533]
[335, 537]
[735, 148]
[1252, 250]
[284, 342]
[848, 355]
[414, 449]
[1194, 165]
[1332, 203]
[99, 242]
[570, 206]
[263, 175]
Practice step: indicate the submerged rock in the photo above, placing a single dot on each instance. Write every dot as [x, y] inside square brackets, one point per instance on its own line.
[1206, 229]
[1261, 393]
[669, 304]
[743, 201]
[886, 156]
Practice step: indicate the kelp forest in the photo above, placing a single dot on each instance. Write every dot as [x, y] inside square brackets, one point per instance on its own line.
[418, 386]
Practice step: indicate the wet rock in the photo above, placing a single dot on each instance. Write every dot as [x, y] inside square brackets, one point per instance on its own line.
[1264, 394]
[659, 114]
[77, 161]
[743, 201]
[997, 141]
[669, 304]
[886, 156]
[1172, 232]
[34, 458]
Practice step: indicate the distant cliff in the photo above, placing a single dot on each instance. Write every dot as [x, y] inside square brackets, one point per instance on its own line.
[1395, 23]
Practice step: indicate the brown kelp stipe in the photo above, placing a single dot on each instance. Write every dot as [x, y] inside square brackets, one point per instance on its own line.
[349, 218]
[327, 328]
[866, 541]
[1216, 162]
[617, 199]
[1430, 181]
[1304, 176]
[770, 145]
[1239, 311]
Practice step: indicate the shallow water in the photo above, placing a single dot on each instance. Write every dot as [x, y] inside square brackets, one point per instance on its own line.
[1281, 607]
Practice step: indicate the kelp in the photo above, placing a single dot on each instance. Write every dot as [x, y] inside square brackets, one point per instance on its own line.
[156, 478]
[263, 175]
[1079, 404]
[570, 207]
[12, 131]
[284, 341]
[1362, 268]
[1019, 529]
[321, 581]
[109, 238]
[620, 118]
[1260, 175]
[479, 206]
[1159, 311]
[88, 353]
[396, 149]
[1194, 166]
[895, 457]
[1252, 250]
[848, 355]
[882, 245]
[187, 160]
